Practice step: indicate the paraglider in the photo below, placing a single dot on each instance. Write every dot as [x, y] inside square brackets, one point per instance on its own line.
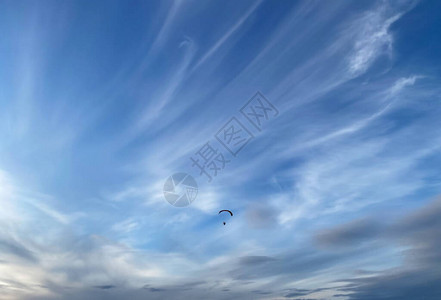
[226, 210]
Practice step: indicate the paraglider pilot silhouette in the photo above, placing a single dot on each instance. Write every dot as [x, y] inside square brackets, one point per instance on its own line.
[225, 210]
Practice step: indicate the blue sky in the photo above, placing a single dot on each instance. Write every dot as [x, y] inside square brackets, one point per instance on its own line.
[337, 197]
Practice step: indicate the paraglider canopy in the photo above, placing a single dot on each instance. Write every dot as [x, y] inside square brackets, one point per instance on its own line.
[226, 211]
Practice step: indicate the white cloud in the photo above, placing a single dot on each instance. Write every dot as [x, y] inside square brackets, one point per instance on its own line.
[372, 39]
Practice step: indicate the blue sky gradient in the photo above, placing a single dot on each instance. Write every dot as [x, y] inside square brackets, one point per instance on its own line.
[336, 198]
